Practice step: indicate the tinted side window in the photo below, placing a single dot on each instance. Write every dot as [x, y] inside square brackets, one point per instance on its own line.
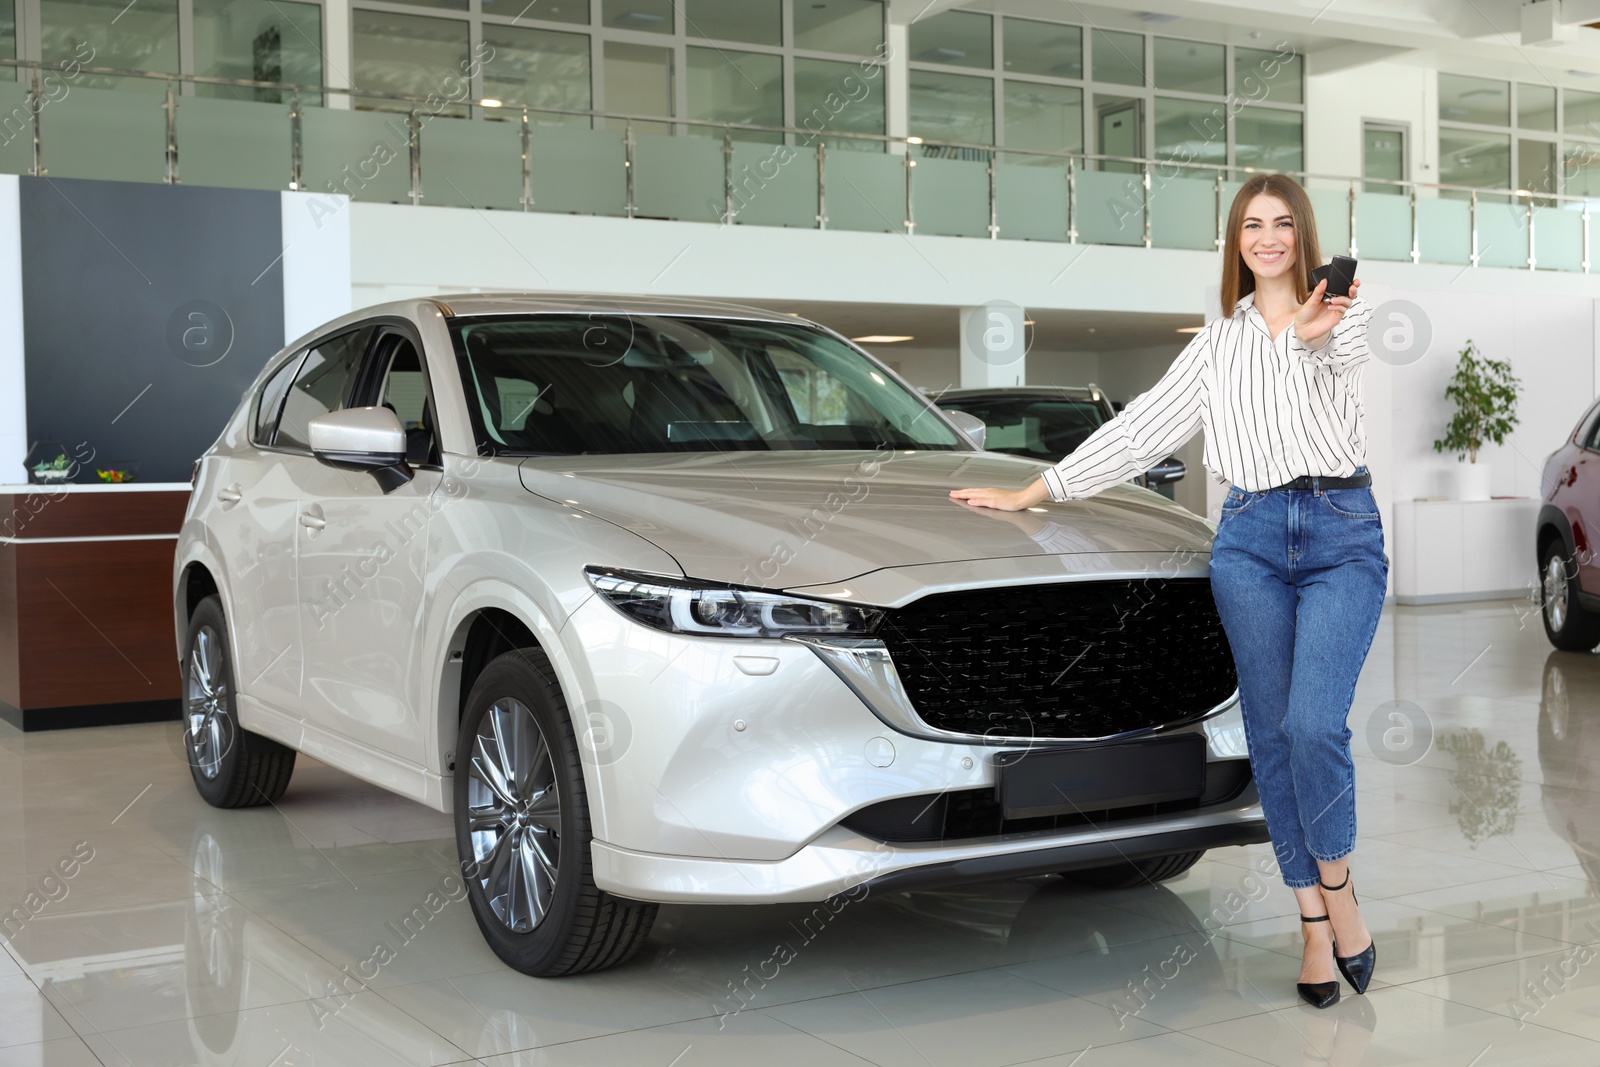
[404, 391]
[1592, 439]
[270, 400]
[322, 385]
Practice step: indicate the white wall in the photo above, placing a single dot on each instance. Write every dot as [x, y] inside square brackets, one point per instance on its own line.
[13, 378]
[1378, 92]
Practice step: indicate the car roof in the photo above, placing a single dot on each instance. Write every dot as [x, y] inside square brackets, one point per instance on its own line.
[459, 305]
[1088, 392]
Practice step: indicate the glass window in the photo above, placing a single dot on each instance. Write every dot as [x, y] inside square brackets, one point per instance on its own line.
[1041, 428]
[271, 399]
[1268, 139]
[961, 38]
[1192, 131]
[1042, 48]
[833, 96]
[257, 40]
[686, 385]
[404, 391]
[752, 21]
[1580, 113]
[1383, 155]
[1044, 117]
[726, 86]
[8, 31]
[1536, 107]
[1119, 131]
[145, 37]
[651, 16]
[411, 55]
[540, 68]
[1536, 165]
[547, 10]
[1260, 75]
[322, 385]
[952, 107]
[1581, 164]
[1482, 159]
[1480, 100]
[850, 27]
[638, 82]
[1118, 57]
[1188, 66]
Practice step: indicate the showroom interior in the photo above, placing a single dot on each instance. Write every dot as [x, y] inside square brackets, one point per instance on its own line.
[367, 697]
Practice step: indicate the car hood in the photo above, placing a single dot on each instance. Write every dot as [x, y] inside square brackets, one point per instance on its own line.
[781, 520]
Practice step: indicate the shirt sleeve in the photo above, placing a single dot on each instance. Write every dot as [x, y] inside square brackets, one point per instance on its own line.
[1143, 433]
[1345, 347]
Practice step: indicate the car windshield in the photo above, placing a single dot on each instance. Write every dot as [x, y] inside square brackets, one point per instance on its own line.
[612, 383]
[1039, 427]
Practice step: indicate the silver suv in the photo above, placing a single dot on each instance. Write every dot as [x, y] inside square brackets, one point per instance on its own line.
[667, 602]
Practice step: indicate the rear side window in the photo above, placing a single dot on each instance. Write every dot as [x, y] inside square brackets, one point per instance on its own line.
[270, 400]
[322, 384]
[1591, 440]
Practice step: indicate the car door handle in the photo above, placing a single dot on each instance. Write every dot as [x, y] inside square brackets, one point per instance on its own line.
[313, 520]
[230, 495]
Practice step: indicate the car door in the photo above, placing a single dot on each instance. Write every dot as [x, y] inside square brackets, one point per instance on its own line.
[362, 564]
[251, 520]
[1583, 506]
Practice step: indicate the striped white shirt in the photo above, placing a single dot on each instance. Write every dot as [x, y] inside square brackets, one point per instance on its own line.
[1271, 410]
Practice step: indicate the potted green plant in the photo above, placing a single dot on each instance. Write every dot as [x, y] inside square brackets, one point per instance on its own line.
[52, 471]
[1484, 392]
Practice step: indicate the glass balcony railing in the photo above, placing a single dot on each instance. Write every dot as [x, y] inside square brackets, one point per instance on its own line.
[454, 152]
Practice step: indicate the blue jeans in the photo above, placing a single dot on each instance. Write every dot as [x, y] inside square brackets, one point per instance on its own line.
[1298, 576]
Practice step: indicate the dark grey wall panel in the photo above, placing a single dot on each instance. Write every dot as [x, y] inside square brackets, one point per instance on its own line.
[147, 310]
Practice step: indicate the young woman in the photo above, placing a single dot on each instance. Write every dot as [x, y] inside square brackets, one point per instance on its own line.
[1297, 567]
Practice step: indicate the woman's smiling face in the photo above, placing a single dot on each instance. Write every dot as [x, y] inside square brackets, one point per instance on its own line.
[1266, 239]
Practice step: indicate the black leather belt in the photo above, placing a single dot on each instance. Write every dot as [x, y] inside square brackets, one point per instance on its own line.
[1320, 481]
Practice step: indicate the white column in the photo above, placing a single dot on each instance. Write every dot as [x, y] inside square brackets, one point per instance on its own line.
[338, 56]
[994, 345]
[897, 86]
[316, 261]
[13, 376]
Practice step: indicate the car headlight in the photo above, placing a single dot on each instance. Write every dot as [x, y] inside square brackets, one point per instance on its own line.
[687, 606]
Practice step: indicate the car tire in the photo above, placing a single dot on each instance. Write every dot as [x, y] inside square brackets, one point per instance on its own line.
[1135, 873]
[523, 833]
[1568, 624]
[232, 767]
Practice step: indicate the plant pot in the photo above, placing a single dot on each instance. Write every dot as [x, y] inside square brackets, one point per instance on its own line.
[1472, 481]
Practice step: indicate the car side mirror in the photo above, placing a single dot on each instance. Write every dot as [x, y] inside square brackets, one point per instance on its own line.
[363, 439]
[1171, 469]
[968, 424]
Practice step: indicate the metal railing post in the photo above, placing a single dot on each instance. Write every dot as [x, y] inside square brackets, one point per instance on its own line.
[414, 142]
[822, 185]
[1531, 257]
[527, 164]
[1472, 215]
[994, 212]
[1586, 238]
[1416, 232]
[36, 105]
[627, 165]
[911, 217]
[1352, 219]
[1072, 201]
[296, 162]
[1222, 237]
[171, 108]
[727, 177]
[1145, 181]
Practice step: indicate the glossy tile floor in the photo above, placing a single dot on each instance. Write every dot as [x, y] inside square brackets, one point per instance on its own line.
[277, 937]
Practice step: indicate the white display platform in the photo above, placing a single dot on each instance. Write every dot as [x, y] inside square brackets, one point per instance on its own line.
[1447, 550]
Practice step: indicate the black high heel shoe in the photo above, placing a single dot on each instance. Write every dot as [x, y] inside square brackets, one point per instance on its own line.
[1318, 994]
[1357, 969]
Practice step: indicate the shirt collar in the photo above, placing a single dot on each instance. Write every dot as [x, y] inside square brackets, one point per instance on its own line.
[1245, 303]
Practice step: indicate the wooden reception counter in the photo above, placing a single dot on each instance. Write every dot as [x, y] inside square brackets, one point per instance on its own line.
[86, 632]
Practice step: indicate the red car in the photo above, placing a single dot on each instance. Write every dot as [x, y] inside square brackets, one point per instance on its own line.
[1568, 529]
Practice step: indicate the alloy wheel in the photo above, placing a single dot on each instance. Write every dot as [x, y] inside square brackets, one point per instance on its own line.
[514, 816]
[1555, 592]
[209, 722]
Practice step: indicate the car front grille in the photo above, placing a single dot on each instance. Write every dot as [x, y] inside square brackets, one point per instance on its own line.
[1067, 660]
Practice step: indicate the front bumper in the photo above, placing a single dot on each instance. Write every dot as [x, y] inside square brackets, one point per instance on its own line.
[842, 862]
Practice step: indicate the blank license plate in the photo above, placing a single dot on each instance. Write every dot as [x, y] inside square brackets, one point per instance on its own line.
[1044, 782]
